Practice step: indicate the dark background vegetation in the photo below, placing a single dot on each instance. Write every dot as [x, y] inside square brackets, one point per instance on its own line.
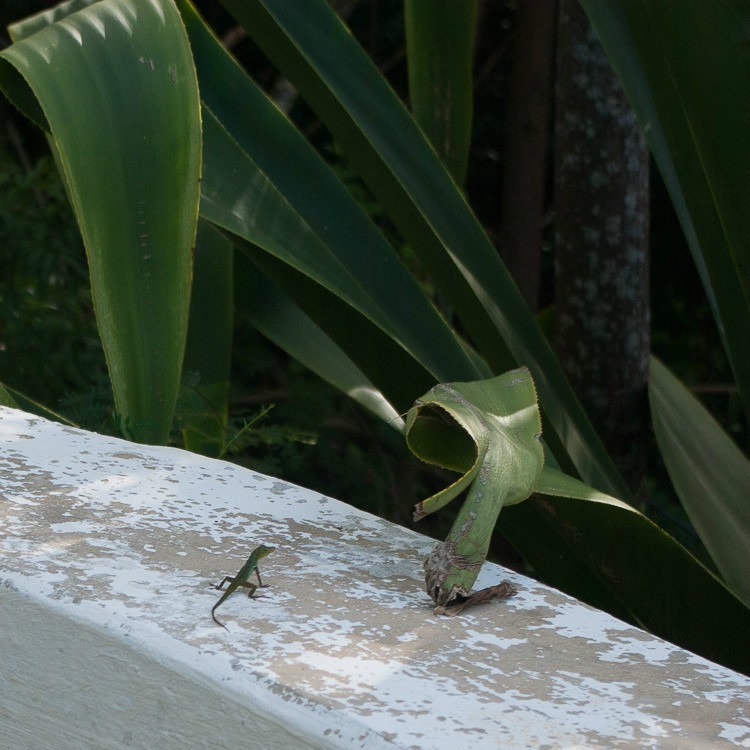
[314, 436]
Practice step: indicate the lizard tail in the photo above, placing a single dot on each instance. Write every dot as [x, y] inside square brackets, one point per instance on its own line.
[213, 616]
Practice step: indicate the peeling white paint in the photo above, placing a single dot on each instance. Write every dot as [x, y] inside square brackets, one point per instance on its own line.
[342, 648]
[739, 735]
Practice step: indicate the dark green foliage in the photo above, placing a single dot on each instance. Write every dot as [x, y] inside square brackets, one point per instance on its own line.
[319, 438]
[50, 350]
[49, 345]
[684, 332]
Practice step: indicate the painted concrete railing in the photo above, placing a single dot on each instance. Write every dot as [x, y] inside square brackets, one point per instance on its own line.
[107, 551]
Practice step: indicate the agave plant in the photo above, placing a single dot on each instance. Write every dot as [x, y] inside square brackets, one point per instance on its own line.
[184, 174]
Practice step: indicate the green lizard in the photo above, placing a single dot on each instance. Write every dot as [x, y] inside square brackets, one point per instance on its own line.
[241, 579]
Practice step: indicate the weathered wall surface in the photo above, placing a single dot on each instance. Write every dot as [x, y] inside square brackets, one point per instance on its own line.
[107, 553]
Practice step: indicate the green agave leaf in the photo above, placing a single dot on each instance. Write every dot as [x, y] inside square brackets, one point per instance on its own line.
[264, 183]
[501, 419]
[115, 85]
[272, 313]
[208, 353]
[709, 472]
[657, 583]
[546, 546]
[28, 26]
[551, 481]
[390, 367]
[318, 54]
[246, 203]
[277, 240]
[439, 54]
[490, 432]
[689, 91]
[6, 399]
[710, 72]
[13, 399]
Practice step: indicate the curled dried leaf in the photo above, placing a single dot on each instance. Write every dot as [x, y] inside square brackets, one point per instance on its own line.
[502, 590]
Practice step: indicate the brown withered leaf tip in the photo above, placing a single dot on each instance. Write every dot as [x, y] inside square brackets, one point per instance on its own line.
[503, 590]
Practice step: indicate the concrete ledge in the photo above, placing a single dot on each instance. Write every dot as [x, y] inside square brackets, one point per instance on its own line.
[107, 551]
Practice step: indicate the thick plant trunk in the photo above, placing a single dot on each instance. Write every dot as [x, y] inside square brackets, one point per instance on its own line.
[527, 142]
[601, 247]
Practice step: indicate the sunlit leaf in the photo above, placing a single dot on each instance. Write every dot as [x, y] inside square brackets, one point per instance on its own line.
[709, 472]
[115, 85]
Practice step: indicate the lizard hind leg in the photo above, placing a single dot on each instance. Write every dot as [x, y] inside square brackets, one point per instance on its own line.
[253, 588]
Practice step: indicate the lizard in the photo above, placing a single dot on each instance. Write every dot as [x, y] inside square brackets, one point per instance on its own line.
[241, 579]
